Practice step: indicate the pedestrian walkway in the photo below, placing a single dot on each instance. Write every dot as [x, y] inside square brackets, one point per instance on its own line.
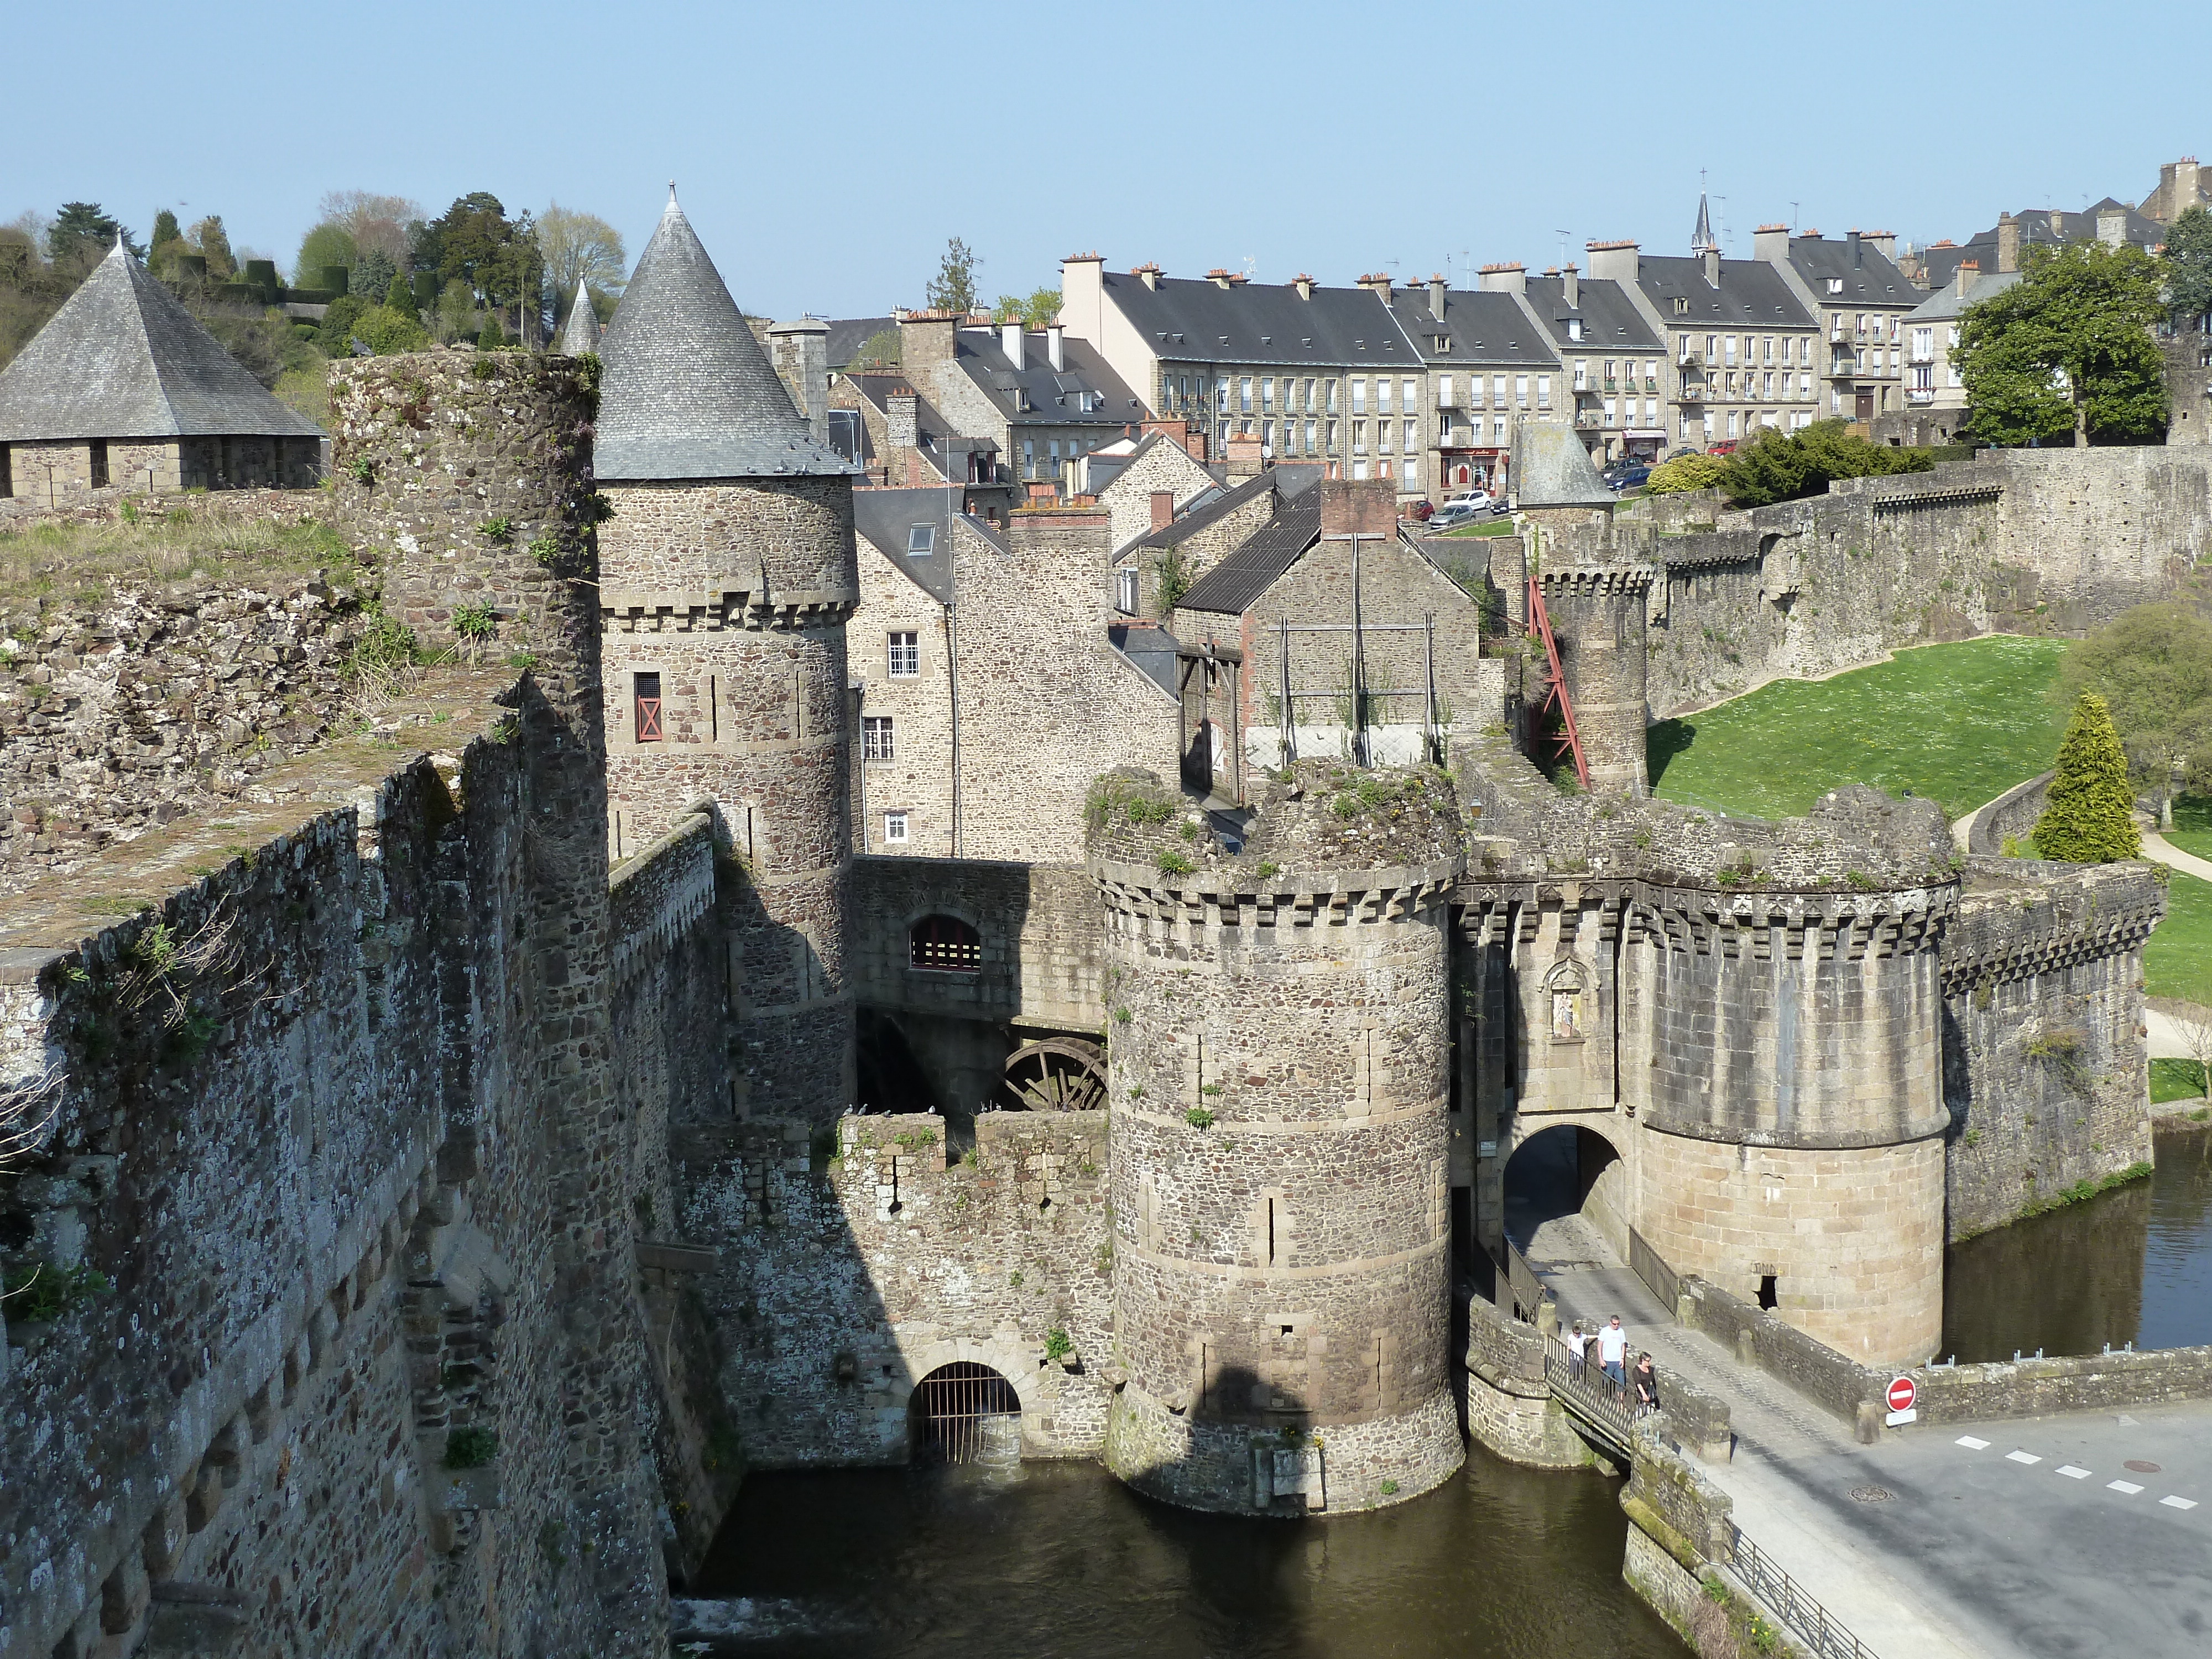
[1921, 1546]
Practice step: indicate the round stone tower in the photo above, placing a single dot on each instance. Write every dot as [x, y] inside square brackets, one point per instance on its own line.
[1782, 1044]
[1278, 1047]
[727, 573]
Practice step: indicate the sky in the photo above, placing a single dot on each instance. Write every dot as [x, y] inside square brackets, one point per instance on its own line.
[826, 153]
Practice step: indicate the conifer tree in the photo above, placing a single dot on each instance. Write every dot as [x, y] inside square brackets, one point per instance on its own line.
[400, 297]
[2089, 818]
[491, 339]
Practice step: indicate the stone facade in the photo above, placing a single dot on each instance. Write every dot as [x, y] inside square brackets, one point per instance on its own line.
[1161, 467]
[53, 474]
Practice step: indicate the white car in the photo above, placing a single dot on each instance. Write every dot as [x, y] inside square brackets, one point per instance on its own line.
[1459, 510]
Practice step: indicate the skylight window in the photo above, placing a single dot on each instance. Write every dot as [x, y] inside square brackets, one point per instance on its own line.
[920, 540]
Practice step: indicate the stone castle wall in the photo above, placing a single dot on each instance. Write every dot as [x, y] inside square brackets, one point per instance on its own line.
[2043, 1046]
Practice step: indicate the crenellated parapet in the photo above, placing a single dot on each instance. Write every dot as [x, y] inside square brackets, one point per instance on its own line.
[2022, 918]
[1782, 926]
[1596, 581]
[1238, 896]
[717, 609]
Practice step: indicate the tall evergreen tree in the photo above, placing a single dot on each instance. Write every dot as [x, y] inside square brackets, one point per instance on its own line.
[2089, 818]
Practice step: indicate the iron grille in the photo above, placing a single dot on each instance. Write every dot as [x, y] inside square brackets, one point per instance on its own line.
[967, 1413]
[946, 944]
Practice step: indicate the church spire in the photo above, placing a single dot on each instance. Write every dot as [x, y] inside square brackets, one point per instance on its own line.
[1702, 237]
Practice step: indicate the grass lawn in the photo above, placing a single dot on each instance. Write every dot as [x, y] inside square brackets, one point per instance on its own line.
[2176, 1080]
[1959, 723]
[2178, 961]
[2192, 824]
[1480, 527]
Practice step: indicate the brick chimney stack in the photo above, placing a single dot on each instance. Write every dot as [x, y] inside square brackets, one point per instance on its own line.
[1163, 509]
[1365, 507]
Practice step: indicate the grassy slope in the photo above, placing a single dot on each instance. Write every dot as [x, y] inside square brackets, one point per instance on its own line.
[1961, 723]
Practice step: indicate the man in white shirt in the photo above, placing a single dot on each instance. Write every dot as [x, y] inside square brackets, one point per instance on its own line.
[1612, 1351]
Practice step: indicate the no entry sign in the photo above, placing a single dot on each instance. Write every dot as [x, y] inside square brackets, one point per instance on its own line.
[1903, 1395]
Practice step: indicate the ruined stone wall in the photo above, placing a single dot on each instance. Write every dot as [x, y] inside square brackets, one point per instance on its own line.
[1597, 618]
[857, 1260]
[24, 512]
[2043, 1045]
[121, 716]
[306, 1134]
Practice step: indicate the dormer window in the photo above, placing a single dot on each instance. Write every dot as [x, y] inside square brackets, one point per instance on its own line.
[1835, 285]
[920, 540]
[1682, 306]
[1574, 328]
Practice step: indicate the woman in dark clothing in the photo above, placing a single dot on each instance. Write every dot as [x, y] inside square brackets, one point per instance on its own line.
[1647, 1385]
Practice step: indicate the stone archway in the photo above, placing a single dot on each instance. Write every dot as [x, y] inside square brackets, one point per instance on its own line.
[1568, 1169]
[965, 1413]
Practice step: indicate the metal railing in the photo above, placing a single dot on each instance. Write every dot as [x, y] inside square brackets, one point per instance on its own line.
[1527, 1290]
[1605, 1406]
[1658, 1278]
[1828, 1636]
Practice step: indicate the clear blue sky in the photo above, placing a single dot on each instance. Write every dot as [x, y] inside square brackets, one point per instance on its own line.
[825, 152]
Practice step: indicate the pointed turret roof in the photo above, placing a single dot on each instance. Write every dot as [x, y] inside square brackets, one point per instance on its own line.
[1702, 237]
[689, 392]
[123, 359]
[579, 335]
[1551, 468]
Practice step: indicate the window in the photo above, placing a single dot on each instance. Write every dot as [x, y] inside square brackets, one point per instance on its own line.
[876, 738]
[1443, 391]
[1266, 437]
[1310, 406]
[1267, 392]
[99, 463]
[1769, 348]
[1609, 409]
[1728, 342]
[1923, 345]
[1543, 392]
[1581, 374]
[1682, 305]
[645, 697]
[1382, 429]
[1029, 457]
[1574, 328]
[1331, 427]
[946, 946]
[1359, 396]
[1521, 390]
[1412, 438]
[1332, 400]
[1409, 397]
[894, 829]
[1498, 391]
[1359, 437]
[1609, 377]
[1381, 395]
[1310, 450]
[1244, 394]
[920, 540]
[1769, 384]
[1498, 430]
[1835, 285]
[905, 656]
[1125, 591]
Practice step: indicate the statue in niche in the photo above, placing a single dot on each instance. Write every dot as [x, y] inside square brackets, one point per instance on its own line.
[1565, 982]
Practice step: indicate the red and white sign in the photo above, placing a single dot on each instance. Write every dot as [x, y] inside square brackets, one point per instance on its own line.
[1903, 1397]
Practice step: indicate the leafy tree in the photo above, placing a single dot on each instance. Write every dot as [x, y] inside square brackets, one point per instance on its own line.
[1784, 466]
[457, 310]
[386, 330]
[2068, 349]
[374, 274]
[879, 350]
[326, 245]
[1037, 309]
[2088, 819]
[81, 234]
[377, 223]
[2187, 263]
[399, 296]
[1688, 472]
[953, 288]
[213, 242]
[2151, 667]
[496, 256]
[335, 337]
[579, 247]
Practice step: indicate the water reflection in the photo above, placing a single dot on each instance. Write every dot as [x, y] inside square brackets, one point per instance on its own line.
[1501, 1563]
[2130, 1265]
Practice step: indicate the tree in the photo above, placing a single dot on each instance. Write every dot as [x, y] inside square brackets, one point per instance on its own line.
[168, 238]
[2187, 265]
[953, 288]
[2191, 1025]
[2089, 818]
[2068, 349]
[81, 235]
[1688, 472]
[2152, 669]
[457, 310]
[496, 256]
[374, 274]
[386, 330]
[213, 242]
[375, 223]
[1779, 466]
[879, 350]
[490, 338]
[579, 247]
[399, 296]
[1036, 310]
[325, 246]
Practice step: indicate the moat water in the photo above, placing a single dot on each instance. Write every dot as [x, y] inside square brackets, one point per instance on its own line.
[2133, 1265]
[1500, 1562]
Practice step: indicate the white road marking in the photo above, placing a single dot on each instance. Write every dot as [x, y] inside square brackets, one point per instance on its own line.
[2127, 1488]
[2178, 1502]
[2073, 1473]
[2022, 1457]
[1972, 1444]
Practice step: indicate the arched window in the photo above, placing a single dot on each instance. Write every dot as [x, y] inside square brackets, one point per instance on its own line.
[945, 944]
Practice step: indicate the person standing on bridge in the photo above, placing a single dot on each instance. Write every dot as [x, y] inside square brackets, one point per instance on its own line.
[1613, 1352]
[1577, 1340]
[1647, 1385]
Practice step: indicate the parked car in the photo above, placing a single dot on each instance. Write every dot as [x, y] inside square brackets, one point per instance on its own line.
[1461, 509]
[1634, 477]
[1421, 511]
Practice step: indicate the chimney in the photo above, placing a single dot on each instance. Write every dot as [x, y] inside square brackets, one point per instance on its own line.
[1852, 239]
[1163, 509]
[1377, 282]
[1056, 350]
[2008, 242]
[2188, 187]
[1148, 274]
[1711, 258]
[1244, 455]
[1366, 506]
[926, 337]
[1884, 242]
[901, 422]
[1573, 280]
[1506, 279]
[1963, 277]
[1769, 245]
[1304, 284]
[2112, 226]
[1436, 287]
[1219, 277]
[1011, 343]
[1613, 262]
[1082, 295]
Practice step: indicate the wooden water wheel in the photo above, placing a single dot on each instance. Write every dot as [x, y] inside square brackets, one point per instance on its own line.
[1053, 1074]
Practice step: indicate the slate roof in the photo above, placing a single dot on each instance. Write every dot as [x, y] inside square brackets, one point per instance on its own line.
[2045, 226]
[1947, 302]
[1054, 394]
[884, 517]
[1233, 587]
[123, 359]
[579, 335]
[687, 393]
[1611, 321]
[1868, 277]
[848, 334]
[1188, 319]
[1752, 294]
[1551, 468]
[1151, 649]
[1209, 508]
[1482, 326]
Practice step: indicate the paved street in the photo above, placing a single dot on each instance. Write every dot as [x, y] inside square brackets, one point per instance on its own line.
[1972, 1552]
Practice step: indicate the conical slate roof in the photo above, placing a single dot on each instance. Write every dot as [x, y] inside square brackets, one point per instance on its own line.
[123, 359]
[1551, 468]
[579, 335]
[687, 393]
